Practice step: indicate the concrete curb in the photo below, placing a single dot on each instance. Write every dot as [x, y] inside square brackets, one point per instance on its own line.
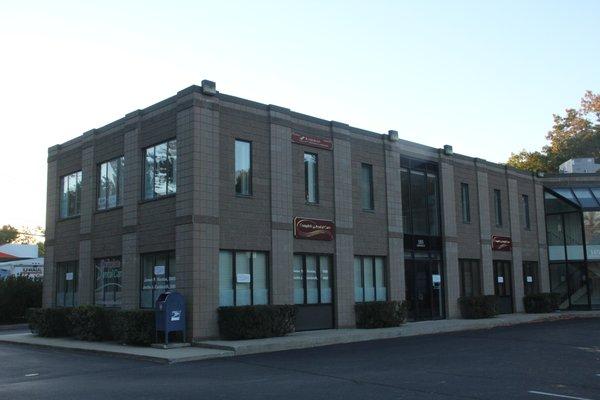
[13, 327]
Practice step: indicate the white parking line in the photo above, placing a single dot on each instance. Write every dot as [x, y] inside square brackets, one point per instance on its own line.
[558, 395]
[30, 375]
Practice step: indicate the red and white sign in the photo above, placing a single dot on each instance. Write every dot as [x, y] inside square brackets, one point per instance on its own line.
[501, 243]
[313, 229]
[313, 141]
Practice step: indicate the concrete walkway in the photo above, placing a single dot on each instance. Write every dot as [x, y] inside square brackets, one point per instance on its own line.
[225, 348]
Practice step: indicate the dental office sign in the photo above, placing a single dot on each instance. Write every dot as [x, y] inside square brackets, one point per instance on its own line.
[313, 229]
[312, 141]
[501, 243]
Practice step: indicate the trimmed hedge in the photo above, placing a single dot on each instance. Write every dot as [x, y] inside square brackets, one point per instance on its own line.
[134, 327]
[380, 314]
[541, 302]
[17, 294]
[253, 322]
[476, 307]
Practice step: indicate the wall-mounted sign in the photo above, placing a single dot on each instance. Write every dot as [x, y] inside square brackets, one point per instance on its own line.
[313, 141]
[314, 229]
[501, 243]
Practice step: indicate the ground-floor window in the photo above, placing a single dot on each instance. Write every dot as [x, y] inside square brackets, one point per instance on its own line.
[107, 288]
[369, 279]
[530, 277]
[158, 275]
[312, 279]
[470, 277]
[66, 283]
[243, 278]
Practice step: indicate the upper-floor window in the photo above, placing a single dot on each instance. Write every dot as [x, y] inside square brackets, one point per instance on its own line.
[465, 202]
[110, 184]
[70, 195]
[366, 186]
[160, 170]
[526, 219]
[311, 178]
[243, 167]
[498, 207]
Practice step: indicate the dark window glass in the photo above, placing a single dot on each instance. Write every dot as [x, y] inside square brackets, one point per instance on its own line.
[243, 167]
[366, 187]
[591, 223]
[243, 278]
[66, 283]
[432, 204]
[498, 207]
[107, 288]
[110, 184]
[406, 220]
[573, 236]
[585, 197]
[70, 195]
[312, 279]
[555, 236]
[526, 218]
[158, 275]
[530, 277]
[470, 277]
[369, 279]
[160, 170]
[311, 176]
[465, 202]
[418, 202]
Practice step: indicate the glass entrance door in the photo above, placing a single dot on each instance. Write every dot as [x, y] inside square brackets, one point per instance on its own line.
[424, 289]
[503, 286]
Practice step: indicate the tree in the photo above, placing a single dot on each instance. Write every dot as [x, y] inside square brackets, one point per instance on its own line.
[576, 134]
[8, 234]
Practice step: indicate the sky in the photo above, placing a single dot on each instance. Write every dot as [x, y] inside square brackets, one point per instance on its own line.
[485, 77]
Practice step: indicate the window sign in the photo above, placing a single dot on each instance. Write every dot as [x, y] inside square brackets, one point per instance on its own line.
[107, 290]
[530, 279]
[500, 279]
[436, 278]
[243, 278]
[69, 276]
[158, 275]
[159, 270]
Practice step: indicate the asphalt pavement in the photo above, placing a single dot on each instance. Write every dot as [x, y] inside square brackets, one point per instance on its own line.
[559, 360]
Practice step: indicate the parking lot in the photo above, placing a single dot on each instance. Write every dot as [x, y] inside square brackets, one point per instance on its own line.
[532, 361]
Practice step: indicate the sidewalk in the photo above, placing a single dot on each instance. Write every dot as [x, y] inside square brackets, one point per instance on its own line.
[208, 349]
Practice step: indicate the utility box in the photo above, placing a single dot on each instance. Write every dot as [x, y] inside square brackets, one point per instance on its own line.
[170, 314]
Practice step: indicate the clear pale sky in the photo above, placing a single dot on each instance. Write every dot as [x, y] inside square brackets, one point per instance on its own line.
[483, 76]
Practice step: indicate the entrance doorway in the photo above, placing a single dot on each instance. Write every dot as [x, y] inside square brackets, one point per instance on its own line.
[424, 292]
[503, 286]
[313, 291]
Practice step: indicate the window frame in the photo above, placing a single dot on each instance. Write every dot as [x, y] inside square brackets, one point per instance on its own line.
[119, 187]
[371, 189]
[251, 266]
[144, 160]
[68, 266]
[319, 278]
[362, 278]
[120, 304]
[250, 168]
[526, 212]
[166, 253]
[64, 214]
[498, 208]
[473, 264]
[316, 178]
[465, 199]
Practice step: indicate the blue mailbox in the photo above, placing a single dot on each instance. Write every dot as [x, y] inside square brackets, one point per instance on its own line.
[170, 314]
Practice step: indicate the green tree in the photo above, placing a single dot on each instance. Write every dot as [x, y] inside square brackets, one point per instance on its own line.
[576, 134]
[8, 234]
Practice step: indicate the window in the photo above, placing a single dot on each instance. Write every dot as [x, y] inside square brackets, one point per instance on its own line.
[160, 170]
[366, 186]
[498, 207]
[465, 202]
[530, 277]
[158, 275]
[243, 278]
[526, 220]
[312, 279]
[110, 184]
[107, 288]
[369, 279]
[311, 178]
[66, 283]
[243, 168]
[70, 195]
[470, 277]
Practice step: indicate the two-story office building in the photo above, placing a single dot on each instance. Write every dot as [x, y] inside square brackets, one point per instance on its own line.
[232, 202]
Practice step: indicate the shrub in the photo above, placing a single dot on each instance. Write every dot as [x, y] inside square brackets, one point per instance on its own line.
[380, 314]
[253, 322]
[17, 294]
[474, 307]
[50, 322]
[541, 302]
[89, 323]
[135, 327]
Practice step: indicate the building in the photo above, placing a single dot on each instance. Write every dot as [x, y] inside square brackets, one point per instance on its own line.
[233, 202]
[579, 166]
[20, 260]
